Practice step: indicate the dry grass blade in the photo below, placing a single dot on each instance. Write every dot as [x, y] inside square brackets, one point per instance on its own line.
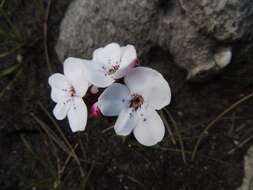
[50, 133]
[11, 83]
[135, 181]
[230, 108]
[8, 71]
[11, 25]
[55, 124]
[190, 153]
[81, 146]
[61, 172]
[168, 128]
[42, 184]
[29, 148]
[56, 164]
[241, 144]
[55, 169]
[45, 24]
[107, 129]
[173, 150]
[2, 3]
[39, 6]
[178, 135]
[71, 149]
[11, 51]
[86, 178]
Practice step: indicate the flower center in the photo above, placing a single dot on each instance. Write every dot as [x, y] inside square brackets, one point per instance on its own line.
[113, 69]
[72, 91]
[136, 101]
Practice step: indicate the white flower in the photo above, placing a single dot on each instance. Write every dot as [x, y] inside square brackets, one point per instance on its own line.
[67, 92]
[136, 103]
[110, 63]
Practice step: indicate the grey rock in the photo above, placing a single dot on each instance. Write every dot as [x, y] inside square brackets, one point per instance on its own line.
[195, 33]
[247, 183]
[90, 24]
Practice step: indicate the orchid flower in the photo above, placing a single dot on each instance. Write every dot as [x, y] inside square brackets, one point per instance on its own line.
[136, 103]
[110, 63]
[67, 92]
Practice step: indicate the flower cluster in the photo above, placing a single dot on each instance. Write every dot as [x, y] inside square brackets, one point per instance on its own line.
[135, 101]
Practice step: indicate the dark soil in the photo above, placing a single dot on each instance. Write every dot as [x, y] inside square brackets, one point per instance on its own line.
[30, 159]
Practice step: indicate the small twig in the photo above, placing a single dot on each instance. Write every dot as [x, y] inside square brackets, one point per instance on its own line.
[45, 26]
[230, 108]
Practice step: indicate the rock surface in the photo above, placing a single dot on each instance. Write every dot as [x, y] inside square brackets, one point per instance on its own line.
[195, 33]
[248, 170]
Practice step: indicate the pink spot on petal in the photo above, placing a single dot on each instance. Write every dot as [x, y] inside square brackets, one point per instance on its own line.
[94, 111]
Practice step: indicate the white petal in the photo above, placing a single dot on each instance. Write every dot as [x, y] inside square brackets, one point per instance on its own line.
[59, 95]
[150, 129]
[96, 75]
[77, 115]
[114, 99]
[151, 85]
[59, 81]
[61, 109]
[96, 56]
[74, 70]
[128, 57]
[126, 122]
[110, 54]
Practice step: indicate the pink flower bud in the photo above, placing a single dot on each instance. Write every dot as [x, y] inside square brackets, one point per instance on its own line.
[136, 62]
[94, 111]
